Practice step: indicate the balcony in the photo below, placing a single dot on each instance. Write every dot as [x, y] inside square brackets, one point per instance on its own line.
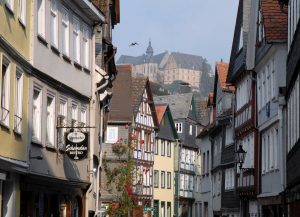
[245, 182]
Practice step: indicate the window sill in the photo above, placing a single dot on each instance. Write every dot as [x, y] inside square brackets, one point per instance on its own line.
[77, 65]
[42, 40]
[86, 70]
[51, 148]
[36, 142]
[8, 8]
[4, 126]
[66, 58]
[55, 50]
[17, 133]
[22, 23]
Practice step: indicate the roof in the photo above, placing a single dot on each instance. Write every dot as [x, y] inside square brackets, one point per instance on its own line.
[222, 71]
[275, 21]
[138, 86]
[201, 110]
[160, 111]
[179, 104]
[188, 61]
[121, 110]
[125, 59]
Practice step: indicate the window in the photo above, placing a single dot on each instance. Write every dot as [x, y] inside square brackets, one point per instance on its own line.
[162, 174]
[18, 101]
[163, 147]
[83, 117]
[181, 181]
[86, 46]
[156, 178]
[169, 180]
[76, 40]
[50, 120]
[203, 164]
[5, 91]
[74, 113]
[54, 24]
[207, 163]
[112, 134]
[37, 114]
[168, 148]
[169, 209]
[191, 130]
[229, 179]
[178, 127]
[156, 147]
[163, 212]
[41, 18]
[10, 4]
[63, 106]
[229, 135]
[22, 11]
[65, 31]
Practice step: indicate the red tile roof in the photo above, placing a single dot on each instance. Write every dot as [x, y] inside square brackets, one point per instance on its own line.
[275, 21]
[160, 111]
[222, 70]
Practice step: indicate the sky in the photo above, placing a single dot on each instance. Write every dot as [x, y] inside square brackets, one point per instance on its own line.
[200, 27]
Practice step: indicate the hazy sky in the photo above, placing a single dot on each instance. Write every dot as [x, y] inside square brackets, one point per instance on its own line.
[201, 27]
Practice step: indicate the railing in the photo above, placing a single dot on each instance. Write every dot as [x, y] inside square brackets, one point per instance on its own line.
[4, 115]
[17, 123]
[245, 179]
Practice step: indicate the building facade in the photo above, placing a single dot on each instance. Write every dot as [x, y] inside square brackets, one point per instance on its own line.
[15, 59]
[183, 111]
[164, 161]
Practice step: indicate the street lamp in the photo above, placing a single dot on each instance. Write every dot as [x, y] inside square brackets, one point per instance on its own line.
[240, 156]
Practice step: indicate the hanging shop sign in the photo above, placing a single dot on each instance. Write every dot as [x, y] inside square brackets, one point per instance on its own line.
[77, 145]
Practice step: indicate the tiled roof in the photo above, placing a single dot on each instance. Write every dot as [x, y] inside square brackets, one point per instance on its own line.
[160, 111]
[188, 61]
[124, 59]
[179, 104]
[201, 110]
[275, 21]
[121, 108]
[138, 86]
[222, 71]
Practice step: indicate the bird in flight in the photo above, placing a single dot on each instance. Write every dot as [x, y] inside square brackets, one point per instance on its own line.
[133, 44]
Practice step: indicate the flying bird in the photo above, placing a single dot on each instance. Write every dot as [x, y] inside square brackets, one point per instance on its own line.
[133, 44]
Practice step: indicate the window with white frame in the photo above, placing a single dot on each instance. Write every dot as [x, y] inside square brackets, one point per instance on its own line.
[18, 101]
[10, 4]
[169, 180]
[76, 40]
[186, 182]
[162, 175]
[169, 148]
[178, 127]
[54, 23]
[85, 46]
[270, 150]
[37, 114]
[112, 134]
[74, 113]
[50, 125]
[293, 115]
[191, 183]
[63, 111]
[229, 179]
[41, 18]
[191, 130]
[83, 116]
[5, 91]
[65, 31]
[156, 147]
[22, 11]
[156, 178]
[229, 135]
[163, 148]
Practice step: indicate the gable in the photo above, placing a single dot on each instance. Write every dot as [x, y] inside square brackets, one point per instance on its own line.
[144, 114]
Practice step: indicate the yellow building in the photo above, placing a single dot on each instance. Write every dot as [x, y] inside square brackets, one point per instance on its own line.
[164, 162]
[15, 55]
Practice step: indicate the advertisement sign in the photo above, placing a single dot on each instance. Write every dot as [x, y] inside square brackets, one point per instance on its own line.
[77, 145]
